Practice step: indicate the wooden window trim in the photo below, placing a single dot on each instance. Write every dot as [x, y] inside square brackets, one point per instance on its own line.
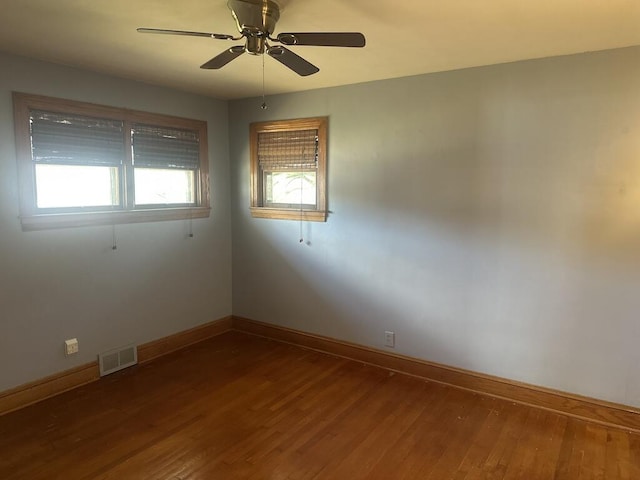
[319, 214]
[32, 219]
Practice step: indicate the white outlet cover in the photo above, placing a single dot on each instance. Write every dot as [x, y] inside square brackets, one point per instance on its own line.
[71, 346]
[389, 339]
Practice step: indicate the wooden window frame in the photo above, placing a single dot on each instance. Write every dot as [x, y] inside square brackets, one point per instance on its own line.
[33, 218]
[257, 208]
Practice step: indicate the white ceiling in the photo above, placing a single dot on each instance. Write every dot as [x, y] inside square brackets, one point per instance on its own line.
[404, 37]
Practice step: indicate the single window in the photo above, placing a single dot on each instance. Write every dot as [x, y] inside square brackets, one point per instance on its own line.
[77, 161]
[166, 163]
[85, 164]
[288, 169]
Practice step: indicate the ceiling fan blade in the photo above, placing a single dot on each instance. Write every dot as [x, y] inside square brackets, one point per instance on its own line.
[293, 61]
[217, 36]
[324, 39]
[225, 57]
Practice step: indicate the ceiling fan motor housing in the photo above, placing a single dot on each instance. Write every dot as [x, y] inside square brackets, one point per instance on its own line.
[256, 19]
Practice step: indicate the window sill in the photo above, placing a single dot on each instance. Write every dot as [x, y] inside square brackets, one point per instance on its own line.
[68, 220]
[286, 214]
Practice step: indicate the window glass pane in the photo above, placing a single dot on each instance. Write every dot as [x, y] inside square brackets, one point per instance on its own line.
[155, 186]
[290, 188]
[68, 186]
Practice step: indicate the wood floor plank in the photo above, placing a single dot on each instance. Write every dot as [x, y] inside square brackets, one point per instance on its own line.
[501, 451]
[402, 409]
[480, 444]
[242, 407]
[466, 419]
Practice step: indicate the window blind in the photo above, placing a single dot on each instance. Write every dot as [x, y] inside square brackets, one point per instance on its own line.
[160, 147]
[293, 149]
[68, 139]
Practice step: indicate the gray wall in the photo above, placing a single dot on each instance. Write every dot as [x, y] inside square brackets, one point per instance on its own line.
[58, 284]
[490, 217]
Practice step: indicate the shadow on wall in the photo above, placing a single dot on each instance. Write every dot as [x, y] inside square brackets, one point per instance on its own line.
[288, 286]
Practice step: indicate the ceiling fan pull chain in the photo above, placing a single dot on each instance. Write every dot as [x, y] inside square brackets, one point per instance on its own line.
[264, 105]
[301, 195]
[114, 238]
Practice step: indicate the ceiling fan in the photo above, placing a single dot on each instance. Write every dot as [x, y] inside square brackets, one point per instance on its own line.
[256, 21]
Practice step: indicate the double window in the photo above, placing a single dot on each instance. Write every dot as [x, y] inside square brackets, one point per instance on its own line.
[288, 169]
[85, 164]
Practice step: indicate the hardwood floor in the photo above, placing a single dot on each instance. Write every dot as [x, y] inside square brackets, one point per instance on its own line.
[242, 407]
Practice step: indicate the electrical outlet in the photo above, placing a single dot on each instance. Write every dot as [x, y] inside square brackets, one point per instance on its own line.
[389, 339]
[71, 346]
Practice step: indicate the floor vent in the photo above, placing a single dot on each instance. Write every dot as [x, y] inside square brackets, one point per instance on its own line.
[117, 359]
